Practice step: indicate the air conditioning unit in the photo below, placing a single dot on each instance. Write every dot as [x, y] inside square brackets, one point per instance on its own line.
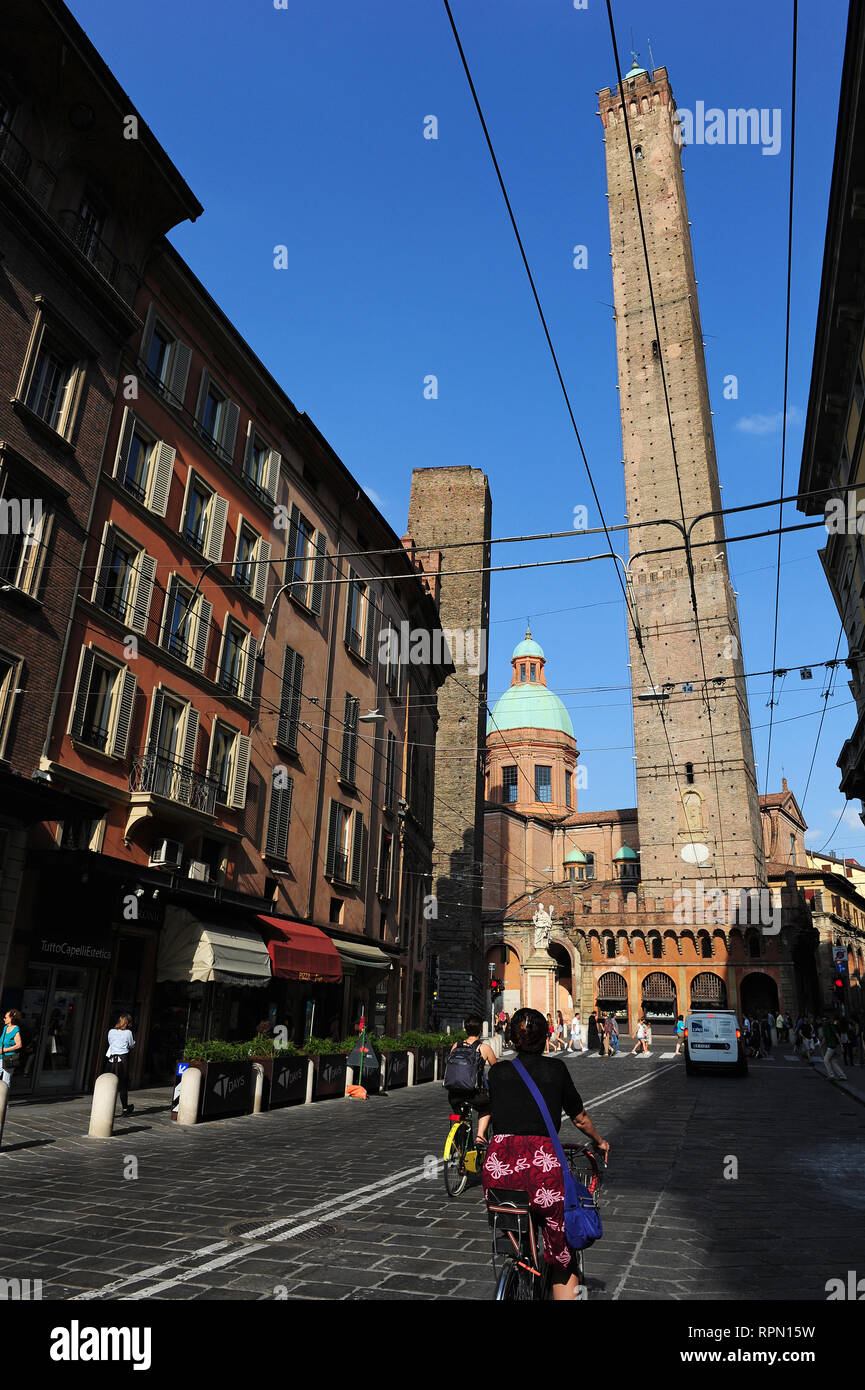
[197, 869]
[168, 853]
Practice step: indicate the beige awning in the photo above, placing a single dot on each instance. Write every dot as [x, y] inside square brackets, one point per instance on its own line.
[190, 949]
[363, 956]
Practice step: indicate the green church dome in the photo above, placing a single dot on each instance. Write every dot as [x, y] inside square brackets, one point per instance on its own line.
[625, 853]
[529, 706]
[576, 856]
[528, 647]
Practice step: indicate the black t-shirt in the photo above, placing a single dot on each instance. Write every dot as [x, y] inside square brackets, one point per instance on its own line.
[514, 1108]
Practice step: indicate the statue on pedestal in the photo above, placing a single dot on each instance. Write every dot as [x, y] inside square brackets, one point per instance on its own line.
[543, 925]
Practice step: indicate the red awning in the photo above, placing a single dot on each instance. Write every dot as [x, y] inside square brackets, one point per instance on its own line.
[301, 952]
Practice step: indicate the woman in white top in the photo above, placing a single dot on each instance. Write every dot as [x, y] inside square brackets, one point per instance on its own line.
[120, 1043]
[576, 1034]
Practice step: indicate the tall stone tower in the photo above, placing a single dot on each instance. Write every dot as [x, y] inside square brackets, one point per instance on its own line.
[698, 809]
[453, 505]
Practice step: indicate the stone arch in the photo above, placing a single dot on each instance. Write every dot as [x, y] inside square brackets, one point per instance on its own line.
[611, 994]
[675, 948]
[758, 993]
[658, 999]
[655, 945]
[720, 945]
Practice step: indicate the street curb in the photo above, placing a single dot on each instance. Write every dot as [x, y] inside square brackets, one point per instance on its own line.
[836, 1081]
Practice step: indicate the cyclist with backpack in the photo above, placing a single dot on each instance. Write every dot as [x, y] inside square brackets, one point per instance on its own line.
[465, 1073]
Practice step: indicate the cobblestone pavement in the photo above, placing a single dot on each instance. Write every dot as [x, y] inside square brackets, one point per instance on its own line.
[345, 1200]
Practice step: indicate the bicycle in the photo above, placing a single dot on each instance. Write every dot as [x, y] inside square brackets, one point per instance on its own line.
[461, 1153]
[519, 1269]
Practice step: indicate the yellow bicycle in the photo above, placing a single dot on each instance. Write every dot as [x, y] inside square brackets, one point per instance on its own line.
[461, 1153]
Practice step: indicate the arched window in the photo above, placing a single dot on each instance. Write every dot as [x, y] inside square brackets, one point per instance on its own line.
[590, 866]
[705, 946]
[753, 944]
[610, 946]
[657, 948]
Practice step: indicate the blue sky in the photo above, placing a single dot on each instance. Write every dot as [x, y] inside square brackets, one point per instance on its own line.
[304, 127]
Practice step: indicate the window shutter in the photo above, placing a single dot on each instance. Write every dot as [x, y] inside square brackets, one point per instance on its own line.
[202, 395]
[126, 428]
[349, 739]
[216, 529]
[291, 543]
[181, 356]
[229, 429]
[357, 848]
[259, 581]
[149, 323]
[330, 855]
[125, 706]
[247, 448]
[239, 772]
[369, 625]
[349, 596]
[140, 618]
[190, 736]
[247, 679]
[162, 469]
[289, 702]
[155, 720]
[278, 820]
[271, 473]
[103, 561]
[42, 537]
[197, 641]
[82, 690]
[317, 587]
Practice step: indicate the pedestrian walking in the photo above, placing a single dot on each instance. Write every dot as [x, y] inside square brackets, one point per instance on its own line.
[831, 1042]
[593, 1037]
[641, 1046]
[781, 1030]
[680, 1036]
[766, 1034]
[611, 1035]
[10, 1045]
[576, 1034]
[846, 1042]
[120, 1044]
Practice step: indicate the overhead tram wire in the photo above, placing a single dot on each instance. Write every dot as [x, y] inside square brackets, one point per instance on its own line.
[786, 376]
[564, 389]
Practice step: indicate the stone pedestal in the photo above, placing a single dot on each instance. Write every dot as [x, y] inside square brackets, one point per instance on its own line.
[540, 976]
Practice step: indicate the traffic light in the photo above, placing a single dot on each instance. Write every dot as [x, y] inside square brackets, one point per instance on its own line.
[839, 986]
[496, 986]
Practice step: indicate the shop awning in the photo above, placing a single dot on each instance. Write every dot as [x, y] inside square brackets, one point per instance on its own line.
[301, 952]
[190, 949]
[362, 956]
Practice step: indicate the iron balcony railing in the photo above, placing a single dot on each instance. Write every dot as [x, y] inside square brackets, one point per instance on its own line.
[13, 154]
[151, 772]
[121, 277]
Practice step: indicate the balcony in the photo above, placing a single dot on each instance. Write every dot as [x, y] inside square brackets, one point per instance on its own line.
[120, 277]
[14, 156]
[154, 775]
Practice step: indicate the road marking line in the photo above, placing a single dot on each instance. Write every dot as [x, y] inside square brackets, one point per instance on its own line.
[181, 1259]
[326, 1210]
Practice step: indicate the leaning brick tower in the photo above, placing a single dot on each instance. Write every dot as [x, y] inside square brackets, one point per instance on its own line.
[699, 813]
[453, 505]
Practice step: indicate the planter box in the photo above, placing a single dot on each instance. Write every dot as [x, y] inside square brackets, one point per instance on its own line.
[226, 1088]
[425, 1064]
[329, 1075]
[397, 1070]
[284, 1080]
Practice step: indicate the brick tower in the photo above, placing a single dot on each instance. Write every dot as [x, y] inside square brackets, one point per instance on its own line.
[453, 504]
[699, 814]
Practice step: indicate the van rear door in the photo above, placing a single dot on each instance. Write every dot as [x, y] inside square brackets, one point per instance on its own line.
[712, 1037]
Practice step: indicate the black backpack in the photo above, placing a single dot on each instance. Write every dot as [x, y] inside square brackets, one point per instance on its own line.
[464, 1068]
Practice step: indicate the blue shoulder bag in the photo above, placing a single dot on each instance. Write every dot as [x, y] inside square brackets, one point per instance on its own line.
[582, 1219]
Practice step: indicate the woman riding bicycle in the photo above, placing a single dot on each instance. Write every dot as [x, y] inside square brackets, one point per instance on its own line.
[521, 1156]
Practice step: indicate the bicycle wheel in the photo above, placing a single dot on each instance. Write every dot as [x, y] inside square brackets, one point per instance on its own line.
[516, 1285]
[456, 1176]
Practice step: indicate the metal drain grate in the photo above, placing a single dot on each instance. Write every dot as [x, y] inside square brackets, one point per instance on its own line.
[240, 1230]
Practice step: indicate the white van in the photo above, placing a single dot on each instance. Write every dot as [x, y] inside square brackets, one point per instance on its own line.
[713, 1039]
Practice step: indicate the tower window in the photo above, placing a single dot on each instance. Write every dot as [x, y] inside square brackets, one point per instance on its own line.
[532, 672]
[638, 152]
[689, 772]
[522, 671]
[655, 351]
[568, 789]
[543, 783]
[509, 783]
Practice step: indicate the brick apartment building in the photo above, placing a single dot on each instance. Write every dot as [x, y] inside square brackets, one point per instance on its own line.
[213, 775]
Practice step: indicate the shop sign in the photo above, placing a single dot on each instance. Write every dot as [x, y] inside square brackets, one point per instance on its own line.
[58, 948]
[397, 1070]
[330, 1077]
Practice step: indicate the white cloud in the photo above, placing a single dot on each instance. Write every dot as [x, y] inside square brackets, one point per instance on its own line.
[768, 424]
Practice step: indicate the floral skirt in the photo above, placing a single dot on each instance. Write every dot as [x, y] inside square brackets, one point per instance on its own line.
[528, 1164]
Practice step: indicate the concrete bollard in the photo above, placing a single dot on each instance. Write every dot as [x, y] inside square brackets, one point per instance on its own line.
[349, 1078]
[310, 1080]
[412, 1060]
[257, 1087]
[4, 1101]
[190, 1094]
[103, 1107]
[382, 1084]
